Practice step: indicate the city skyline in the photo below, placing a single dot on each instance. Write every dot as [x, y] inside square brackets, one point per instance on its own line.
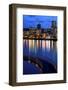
[31, 21]
[37, 31]
[39, 44]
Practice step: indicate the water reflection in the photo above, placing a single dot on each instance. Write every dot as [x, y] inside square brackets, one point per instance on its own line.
[39, 47]
[46, 50]
[40, 44]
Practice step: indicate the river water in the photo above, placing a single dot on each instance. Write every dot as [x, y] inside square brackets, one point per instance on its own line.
[43, 52]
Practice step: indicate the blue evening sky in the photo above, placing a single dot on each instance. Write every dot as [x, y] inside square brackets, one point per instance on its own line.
[33, 20]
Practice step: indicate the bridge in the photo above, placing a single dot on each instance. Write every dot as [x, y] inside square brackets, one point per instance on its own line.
[43, 65]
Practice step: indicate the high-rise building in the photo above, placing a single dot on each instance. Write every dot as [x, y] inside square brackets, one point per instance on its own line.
[38, 26]
[54, 29]
[38, 29]
[54, 24]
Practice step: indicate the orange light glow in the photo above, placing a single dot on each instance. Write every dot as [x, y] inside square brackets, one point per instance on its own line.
[43, 44]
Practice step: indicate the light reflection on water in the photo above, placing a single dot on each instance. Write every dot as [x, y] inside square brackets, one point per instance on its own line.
[43, 49]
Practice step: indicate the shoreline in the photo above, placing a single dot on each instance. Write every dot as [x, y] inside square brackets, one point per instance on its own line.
[41, 39]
